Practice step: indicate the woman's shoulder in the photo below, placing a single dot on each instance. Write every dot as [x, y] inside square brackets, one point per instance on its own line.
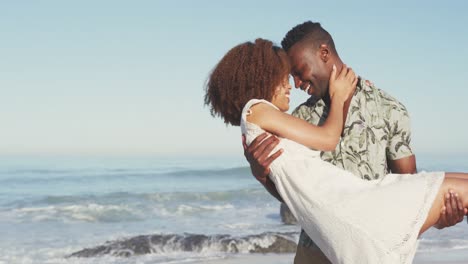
[258, 105]
[250, 121]
[255, 111]
[253, 102]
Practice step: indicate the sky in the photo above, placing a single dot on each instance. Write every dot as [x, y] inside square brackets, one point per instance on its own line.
[127, 77]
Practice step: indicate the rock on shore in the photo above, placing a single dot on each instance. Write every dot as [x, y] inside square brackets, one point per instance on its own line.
[145, 244]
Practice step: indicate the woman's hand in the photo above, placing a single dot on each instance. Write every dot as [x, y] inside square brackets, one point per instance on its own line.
[342, 86]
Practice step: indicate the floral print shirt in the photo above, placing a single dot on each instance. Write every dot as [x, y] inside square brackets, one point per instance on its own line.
[377, 128]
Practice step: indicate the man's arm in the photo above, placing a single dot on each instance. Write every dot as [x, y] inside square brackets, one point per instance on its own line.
[259, 158]
[406, 165]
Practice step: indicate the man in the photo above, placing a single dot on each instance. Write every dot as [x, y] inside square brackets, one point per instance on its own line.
[376, 133]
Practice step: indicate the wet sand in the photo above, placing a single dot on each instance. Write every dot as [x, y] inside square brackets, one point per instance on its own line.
[444, 257]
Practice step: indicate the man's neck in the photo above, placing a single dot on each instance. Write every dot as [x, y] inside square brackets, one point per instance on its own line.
[326, 99]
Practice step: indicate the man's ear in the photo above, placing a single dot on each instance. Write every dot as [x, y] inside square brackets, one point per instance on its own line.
[324, 52]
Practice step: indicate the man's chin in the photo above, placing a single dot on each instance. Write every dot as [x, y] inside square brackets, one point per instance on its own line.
[312, 92]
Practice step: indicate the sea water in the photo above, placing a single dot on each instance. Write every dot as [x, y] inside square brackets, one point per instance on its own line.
[51, 207]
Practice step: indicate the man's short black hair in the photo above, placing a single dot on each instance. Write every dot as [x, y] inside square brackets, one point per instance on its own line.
[309, 31]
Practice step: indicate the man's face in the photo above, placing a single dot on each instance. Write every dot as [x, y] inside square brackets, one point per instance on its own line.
[309, 71]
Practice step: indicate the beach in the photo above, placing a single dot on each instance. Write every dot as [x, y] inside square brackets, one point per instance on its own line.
[431, 258]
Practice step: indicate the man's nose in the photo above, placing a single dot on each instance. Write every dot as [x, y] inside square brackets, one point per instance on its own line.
[297, 82]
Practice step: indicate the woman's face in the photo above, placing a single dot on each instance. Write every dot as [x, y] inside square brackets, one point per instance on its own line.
[281, 95]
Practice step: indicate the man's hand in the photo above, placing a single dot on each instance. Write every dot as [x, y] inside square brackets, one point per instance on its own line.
[453, 211]
[258, 155]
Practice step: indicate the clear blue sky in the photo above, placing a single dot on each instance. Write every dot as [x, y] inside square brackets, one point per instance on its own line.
[126, 77]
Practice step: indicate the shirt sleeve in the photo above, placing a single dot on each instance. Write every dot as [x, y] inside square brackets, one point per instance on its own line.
[399, 140]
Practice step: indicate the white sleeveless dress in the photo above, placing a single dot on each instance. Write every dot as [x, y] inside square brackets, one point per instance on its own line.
[351, 220]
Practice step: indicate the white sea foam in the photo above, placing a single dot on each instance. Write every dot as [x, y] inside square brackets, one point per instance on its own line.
[238, 226]
[431, 245]
[187, 210]
[87, 212]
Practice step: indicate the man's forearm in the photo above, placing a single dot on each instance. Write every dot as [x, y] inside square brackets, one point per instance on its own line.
[271, 188]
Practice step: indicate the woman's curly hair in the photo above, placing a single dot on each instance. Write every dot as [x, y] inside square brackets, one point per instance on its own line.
[247, 71]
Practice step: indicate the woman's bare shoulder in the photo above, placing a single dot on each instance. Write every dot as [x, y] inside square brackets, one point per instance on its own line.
[259, 112]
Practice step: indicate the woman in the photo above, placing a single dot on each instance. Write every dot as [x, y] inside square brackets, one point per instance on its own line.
[351, 220]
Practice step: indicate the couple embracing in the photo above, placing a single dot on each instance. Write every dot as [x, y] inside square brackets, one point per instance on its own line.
[342, 162]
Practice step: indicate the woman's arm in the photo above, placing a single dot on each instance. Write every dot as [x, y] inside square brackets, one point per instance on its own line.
[324, 137]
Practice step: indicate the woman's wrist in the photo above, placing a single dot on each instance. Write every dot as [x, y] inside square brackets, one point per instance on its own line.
[337, 99]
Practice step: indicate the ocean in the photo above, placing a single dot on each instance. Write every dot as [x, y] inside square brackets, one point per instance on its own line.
[158, 210]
